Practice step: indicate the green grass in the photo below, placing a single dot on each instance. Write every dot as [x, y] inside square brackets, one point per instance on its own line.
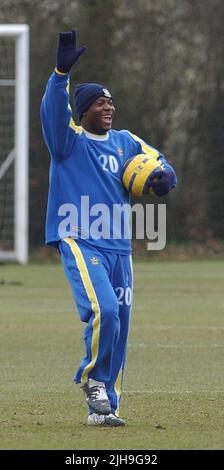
[174, 382]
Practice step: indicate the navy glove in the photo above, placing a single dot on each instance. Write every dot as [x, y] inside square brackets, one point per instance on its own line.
[67, 54]
[162, 184]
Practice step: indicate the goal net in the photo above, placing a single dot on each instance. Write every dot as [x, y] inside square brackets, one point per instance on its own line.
[14, 86]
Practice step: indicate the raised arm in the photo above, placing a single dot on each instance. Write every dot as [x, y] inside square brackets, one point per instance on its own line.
[56, 115]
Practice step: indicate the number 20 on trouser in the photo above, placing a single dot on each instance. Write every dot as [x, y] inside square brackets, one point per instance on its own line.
[124, 296]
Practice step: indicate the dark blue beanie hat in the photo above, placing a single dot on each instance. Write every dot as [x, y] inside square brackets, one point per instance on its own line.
[86, 94]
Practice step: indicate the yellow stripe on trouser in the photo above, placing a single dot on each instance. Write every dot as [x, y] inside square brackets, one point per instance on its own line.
[117, 388]
[94, 304]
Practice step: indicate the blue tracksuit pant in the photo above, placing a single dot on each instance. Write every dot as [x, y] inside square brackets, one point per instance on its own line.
[101, 284]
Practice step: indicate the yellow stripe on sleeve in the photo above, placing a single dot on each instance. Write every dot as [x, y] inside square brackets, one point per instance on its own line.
[60, 73]
[146, 148]
[73, 125]
[94, 304]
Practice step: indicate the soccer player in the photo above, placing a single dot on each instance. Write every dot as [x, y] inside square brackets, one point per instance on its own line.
[85, 180]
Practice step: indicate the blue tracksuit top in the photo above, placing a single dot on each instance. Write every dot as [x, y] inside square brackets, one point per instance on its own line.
[85, 188]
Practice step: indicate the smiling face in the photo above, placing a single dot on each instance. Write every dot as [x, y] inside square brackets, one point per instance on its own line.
[98, 118]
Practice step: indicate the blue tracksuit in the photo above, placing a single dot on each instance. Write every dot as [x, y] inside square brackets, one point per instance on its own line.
[101, 284]
[87, 167]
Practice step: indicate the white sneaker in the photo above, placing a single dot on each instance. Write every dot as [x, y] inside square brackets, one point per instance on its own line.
[96, 396]
[105, 420]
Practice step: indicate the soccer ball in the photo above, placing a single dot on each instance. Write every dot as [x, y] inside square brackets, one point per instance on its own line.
[138, 173]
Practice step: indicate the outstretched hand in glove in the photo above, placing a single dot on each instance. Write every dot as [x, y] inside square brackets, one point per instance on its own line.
[67, 53]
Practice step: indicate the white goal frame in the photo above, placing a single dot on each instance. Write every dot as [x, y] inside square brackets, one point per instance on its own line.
[21, 138]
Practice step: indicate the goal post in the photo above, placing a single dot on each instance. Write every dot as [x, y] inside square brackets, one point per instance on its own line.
[14, 142]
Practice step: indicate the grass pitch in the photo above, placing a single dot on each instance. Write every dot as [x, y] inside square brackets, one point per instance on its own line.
[174, 383]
